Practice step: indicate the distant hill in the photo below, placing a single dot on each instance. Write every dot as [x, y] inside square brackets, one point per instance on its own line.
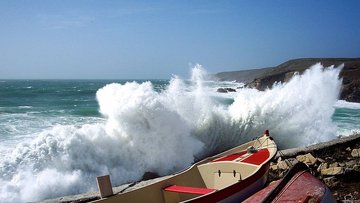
[265, 77]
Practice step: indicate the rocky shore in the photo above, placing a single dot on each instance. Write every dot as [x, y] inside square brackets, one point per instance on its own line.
[336, 163]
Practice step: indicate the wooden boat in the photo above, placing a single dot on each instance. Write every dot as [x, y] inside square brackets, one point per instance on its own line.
[231, 176]
[298, 185]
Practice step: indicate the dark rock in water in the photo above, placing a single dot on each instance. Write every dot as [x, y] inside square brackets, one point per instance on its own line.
[264, 78]
[225, 90]
[149, 175]
[221, 90]
[230, 89]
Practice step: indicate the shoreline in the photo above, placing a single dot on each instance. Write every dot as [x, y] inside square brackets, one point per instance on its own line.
[327, 147]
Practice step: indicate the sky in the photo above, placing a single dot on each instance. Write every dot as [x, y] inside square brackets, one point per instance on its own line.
[104, 39]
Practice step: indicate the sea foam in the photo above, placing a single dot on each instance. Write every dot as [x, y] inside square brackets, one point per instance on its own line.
[146, 130]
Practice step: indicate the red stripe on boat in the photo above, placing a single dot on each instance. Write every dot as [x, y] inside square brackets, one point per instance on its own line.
[230, 157]
[258, 157]
[191, 190]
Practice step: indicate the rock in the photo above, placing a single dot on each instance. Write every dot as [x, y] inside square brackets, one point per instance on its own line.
[350, 163]
[321, 160]
[230, 89]
[333, 171]
[225, 90]
[282, 165]
[335, 164]
[331, 182]
[356, 168]
[355, 153]
[308, 159]
[150, 175]
[322, 166]
[221, 90]
[273, 166]
[286, 164]
[348, 149]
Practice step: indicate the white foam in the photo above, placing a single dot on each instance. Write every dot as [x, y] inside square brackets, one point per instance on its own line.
[347, 105]
[163, 132]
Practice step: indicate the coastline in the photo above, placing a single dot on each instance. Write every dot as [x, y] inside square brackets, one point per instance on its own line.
[343, 189]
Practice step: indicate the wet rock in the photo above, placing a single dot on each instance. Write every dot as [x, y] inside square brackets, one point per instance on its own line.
[230, 89]
[335, 164]
[333, 171]
[355, 153]
[308, 159]
[221, 90]
[225, 90]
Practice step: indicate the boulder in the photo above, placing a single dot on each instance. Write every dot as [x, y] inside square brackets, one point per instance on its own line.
[333, 171]
[308, 159]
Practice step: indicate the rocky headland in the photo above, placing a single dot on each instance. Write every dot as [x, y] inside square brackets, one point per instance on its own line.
[264, 78]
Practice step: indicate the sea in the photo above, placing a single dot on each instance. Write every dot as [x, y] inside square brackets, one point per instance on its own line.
[57, 136]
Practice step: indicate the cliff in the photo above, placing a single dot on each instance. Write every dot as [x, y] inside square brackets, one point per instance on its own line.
[264, 78]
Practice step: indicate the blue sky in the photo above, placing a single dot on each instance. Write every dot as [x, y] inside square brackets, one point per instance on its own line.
[155, 39]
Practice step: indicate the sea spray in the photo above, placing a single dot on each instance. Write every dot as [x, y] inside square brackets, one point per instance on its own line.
[298, 113]
[147, 130]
